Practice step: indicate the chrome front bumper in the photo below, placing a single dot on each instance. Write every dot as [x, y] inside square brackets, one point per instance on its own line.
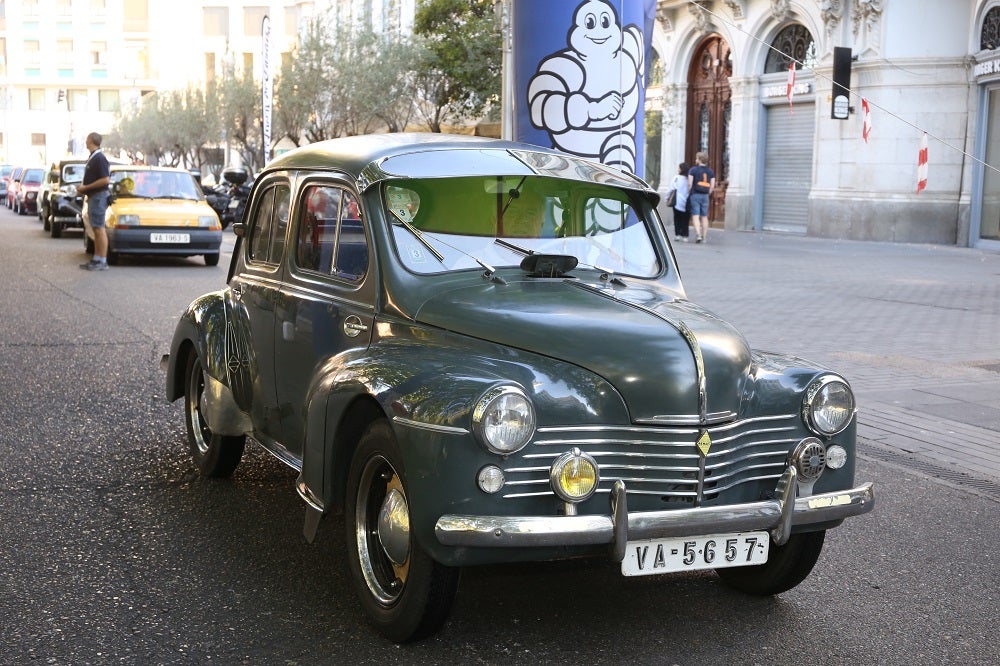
[777, 516]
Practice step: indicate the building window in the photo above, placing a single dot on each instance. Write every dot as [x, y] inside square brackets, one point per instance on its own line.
[107, 100]
[32, 52]
[98, 7]
[38, 140]
[64, 7]
[76, 99]
[794, 41]
[30, 7]
[136, 16]
[3, 56]
[64, 52]
[209, 68]
[216, 21]
[253, 17]
[989, 39]
[99, 53]
[292, 16]
[36, 99]
[137, 60]
[248, 63]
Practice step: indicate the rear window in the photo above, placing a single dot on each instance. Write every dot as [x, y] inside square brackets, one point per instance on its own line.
[33, 177]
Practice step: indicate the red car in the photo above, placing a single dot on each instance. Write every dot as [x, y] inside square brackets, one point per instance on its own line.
[13, 180]
[26, 193]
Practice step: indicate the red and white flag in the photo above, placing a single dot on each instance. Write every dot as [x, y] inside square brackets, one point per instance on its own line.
[866, 114]
[922, 164]
[791, 84]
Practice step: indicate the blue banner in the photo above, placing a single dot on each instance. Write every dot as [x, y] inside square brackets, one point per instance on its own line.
[579, 71]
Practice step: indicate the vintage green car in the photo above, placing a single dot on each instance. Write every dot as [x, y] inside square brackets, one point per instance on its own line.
[481, 351]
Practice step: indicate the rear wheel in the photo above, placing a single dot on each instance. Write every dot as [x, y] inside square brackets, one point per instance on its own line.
[786, 566]
[404, 592]
[112, 258]
[213, 454]
[56, 229]
[212, 259]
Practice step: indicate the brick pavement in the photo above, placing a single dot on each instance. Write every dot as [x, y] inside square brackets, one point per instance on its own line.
[914, 328]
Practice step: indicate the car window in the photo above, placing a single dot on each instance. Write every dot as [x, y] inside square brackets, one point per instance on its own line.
[603, 227]
[73, 173]
[154, 184]
[331, 238]
[267, 228]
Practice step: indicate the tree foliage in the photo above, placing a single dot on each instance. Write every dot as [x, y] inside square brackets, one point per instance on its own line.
[340, 80]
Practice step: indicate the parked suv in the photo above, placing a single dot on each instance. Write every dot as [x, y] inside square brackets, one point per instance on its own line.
[61, 206]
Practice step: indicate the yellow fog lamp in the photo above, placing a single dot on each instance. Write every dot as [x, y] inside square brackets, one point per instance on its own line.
[574, 476]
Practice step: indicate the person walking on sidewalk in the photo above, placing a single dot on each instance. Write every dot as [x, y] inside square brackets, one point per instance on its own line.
[701, 180]
[682, 217]
[96, 178]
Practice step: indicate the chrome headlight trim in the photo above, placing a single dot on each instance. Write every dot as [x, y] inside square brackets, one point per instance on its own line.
[503, 419]
[828, 406]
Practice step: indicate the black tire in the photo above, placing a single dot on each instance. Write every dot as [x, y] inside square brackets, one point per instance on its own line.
[407, 596]
[786, 566]
[113, 258]
[214, 455]
[47, 223]
[56, 229]
[212, 259]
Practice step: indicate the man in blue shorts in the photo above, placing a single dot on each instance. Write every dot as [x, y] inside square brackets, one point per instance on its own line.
[701, 182]
[96, 179]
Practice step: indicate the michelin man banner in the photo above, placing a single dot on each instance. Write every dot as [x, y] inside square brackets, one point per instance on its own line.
[579, 71]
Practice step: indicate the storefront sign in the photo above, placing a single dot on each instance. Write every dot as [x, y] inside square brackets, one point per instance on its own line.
[986, 68]
[782, 90]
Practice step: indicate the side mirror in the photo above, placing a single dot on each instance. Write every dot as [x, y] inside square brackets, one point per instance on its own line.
[240, 229]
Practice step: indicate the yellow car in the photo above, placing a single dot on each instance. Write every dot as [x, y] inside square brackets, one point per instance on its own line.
[157, 210]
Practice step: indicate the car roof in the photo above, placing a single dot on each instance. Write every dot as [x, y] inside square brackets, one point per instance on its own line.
[375, 157]
[146, 167]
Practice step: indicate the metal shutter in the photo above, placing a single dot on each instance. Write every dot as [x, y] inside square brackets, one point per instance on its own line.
[788, 153]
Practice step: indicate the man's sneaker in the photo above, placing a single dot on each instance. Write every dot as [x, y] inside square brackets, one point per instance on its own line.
[94, 266]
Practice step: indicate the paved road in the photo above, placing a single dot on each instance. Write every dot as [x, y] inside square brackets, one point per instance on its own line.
[112, 551]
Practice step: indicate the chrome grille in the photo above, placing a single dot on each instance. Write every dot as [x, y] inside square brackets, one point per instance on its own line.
[663, 461]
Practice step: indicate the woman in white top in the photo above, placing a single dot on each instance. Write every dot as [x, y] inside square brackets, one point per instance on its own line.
[682, 217]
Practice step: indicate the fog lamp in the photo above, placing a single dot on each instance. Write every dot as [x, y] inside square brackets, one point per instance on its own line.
[490, 479]
[574, 476]
[836, 457]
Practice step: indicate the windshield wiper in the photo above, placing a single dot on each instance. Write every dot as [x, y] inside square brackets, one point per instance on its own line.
[418, 235]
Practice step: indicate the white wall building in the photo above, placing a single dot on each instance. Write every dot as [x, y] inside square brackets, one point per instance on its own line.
[924, 65]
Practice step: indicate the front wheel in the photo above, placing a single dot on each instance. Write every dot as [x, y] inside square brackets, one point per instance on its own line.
[55, 228]
[786, 566]
[404, 592]
[213, 454]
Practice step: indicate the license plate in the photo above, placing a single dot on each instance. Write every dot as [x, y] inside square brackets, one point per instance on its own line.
[169, 238]
[656, 556]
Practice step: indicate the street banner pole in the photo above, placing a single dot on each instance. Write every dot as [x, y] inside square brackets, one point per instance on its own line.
[268, 87]
[576, 76]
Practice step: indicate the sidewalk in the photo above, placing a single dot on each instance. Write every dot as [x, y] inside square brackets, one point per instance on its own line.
[914, 328]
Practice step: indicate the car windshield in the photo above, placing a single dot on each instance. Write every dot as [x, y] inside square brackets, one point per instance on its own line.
[143, 184]
[33, 177]
[448, 224]
[73, 173]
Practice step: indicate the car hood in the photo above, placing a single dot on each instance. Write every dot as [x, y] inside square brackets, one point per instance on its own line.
[646, 342]
[163, 212]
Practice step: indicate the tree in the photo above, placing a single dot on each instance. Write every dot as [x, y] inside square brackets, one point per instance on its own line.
[459, 76]
[240, 114]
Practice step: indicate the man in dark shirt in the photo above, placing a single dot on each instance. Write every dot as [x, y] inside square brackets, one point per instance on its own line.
[701, 182]
[96, 178]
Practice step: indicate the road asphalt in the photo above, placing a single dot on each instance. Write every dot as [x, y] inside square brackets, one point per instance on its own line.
[914, 328]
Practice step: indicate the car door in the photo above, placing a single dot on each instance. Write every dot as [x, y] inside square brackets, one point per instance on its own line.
[327, 306]
[255, 288]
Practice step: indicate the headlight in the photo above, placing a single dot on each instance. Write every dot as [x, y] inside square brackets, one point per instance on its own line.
[574, 476]
[127, 221]
[207, 221]
[828, 406]
[503, 419]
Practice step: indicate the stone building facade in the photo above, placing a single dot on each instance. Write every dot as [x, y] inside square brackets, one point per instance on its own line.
[719, 83]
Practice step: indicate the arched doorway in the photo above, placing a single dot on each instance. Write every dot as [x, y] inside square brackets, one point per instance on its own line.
[709, 113]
